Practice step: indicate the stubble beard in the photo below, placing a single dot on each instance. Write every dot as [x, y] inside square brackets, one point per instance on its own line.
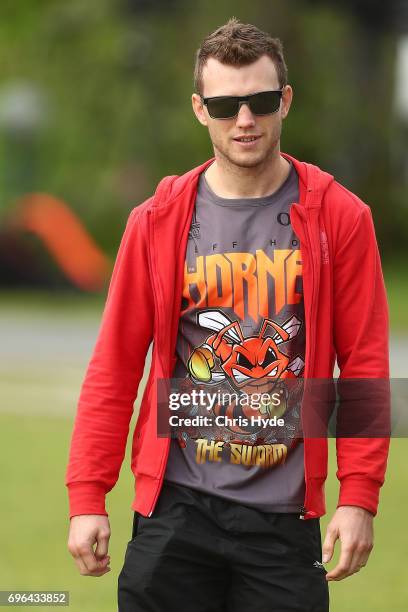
[226, 157]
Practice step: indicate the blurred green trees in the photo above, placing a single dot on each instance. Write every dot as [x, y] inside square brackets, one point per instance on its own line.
[95, 102]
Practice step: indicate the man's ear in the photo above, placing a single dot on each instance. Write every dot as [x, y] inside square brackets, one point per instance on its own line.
[198, 108]
[287, 98]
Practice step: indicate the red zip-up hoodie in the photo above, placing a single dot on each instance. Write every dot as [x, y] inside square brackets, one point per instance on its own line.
[346, 316]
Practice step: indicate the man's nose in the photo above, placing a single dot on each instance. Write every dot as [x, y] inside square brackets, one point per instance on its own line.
[245, 115]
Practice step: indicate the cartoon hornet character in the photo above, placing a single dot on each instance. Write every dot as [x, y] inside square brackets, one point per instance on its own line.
[245, 362]
[250, 365]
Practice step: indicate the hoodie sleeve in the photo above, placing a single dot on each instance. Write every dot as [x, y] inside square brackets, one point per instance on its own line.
[112, 378]
[361, 338]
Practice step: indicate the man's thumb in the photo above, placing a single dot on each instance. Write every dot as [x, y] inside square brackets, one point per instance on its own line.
[328, 546]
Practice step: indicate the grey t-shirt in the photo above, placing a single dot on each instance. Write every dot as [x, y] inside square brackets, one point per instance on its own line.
[243, 271]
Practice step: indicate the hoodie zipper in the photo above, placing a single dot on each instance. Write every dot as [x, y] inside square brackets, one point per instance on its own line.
[157, 295]
[303, 512]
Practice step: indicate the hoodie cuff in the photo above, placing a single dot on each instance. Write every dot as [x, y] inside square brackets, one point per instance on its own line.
[359, 491]
[86, 498]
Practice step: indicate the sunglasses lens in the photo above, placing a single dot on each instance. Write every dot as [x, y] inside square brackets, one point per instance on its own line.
[222, 108]
[265, 102]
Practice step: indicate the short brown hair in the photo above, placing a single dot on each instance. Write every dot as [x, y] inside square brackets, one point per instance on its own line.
[239, 44]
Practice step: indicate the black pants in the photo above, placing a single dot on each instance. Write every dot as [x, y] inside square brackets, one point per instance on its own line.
[201, 553]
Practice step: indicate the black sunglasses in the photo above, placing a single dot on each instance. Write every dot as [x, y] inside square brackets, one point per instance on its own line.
[226, 107]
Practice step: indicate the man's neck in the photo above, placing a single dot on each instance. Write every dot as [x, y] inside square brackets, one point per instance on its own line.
[229, 181]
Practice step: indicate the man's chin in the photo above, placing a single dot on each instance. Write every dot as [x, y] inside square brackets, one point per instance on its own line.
[246, 159]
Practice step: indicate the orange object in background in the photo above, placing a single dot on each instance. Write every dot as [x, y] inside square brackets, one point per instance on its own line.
[65, 238]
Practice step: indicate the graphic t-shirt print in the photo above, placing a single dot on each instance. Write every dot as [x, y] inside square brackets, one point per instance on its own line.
[249, 366]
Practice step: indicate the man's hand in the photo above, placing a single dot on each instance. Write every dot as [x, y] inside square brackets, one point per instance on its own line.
[84, 531]
[354, 527]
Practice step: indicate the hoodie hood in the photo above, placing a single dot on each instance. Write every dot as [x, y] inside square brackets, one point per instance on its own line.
[313, 182]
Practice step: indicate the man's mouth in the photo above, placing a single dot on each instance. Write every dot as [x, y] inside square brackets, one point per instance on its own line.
[246, 138]
[247, 142]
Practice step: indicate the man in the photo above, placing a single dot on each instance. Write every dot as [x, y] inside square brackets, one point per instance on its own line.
[252, 265]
